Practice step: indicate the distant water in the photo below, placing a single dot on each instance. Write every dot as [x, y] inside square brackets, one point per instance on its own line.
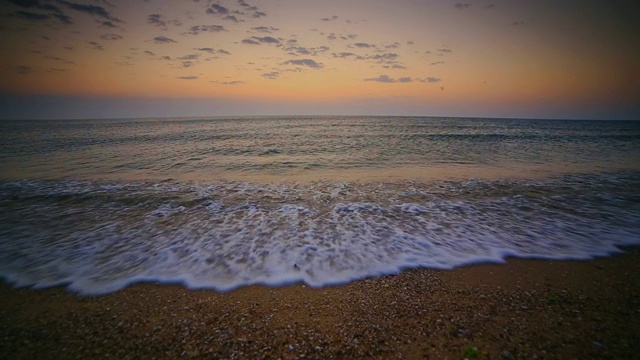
[221, 203]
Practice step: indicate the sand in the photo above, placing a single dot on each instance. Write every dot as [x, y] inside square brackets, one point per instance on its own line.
[524, 309]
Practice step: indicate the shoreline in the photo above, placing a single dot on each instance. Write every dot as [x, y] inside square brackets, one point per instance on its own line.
[519, 309]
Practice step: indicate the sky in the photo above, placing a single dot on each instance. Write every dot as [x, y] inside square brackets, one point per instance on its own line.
[169, 58]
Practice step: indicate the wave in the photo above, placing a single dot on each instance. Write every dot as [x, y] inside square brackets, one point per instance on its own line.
[98, 237]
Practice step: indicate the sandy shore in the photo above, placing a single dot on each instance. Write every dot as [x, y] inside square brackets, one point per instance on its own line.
[524, 309]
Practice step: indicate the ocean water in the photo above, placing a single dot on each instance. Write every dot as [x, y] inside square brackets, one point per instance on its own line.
[226, 202]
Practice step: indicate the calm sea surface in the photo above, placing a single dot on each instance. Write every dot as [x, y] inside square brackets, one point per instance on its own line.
[226, 202]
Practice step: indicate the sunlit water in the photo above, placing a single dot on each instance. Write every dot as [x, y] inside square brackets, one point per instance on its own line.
[221, 203]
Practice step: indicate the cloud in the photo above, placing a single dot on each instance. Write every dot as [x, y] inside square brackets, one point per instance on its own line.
[31, 16]
[232, 18]
[111, 37]
[96, 45]
[395, 66]
[233, 83]
[257, 40]
[156, 19]
[267, 40]
[265, 29]
[207, 49]
[163, 40]
[217, 9]
[94, 10]
[382, 79]
[259, 14]
[246, 5]
[437, 63]
[108, 24]
[334, 17]
[301, 50]
[430, 80]
[383, 57]
[271, 75]
[189, 57]
[63, 18]
[388, 79]
[24, 69]
[517, 23]
[462, 6]
[395, 45]
[149, 53]
[187, 77]
[343, 55]
[186, 64]
[195, 30]
[304, 62]
[363, 45]
[35, 4]
[445, 50]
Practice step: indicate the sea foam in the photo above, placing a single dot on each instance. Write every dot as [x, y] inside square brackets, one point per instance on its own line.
[98, 237]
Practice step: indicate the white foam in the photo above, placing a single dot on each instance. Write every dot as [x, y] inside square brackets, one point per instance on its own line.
[227, 235]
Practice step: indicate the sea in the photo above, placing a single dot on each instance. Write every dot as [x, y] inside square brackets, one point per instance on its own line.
[224, 202]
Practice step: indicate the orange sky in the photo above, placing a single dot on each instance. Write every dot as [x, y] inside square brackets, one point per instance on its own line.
[577, 59]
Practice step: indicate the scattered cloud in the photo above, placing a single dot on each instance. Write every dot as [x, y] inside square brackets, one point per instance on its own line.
[395, 66]
[382, 79]
[271, 75]
[257, 40]
[31, 16]
[111, 37]
[63, 18]
[265, 29]
[437, 63]
[96, 45]
[445, 50]
[108, 24]
[163, 40]
[157, 20]
[197, 29]
[259, 14]
[388, 79]
[383, 57]
[22, 69]
[233, 83]
[301, 50]
[462, 6]
[189, 57]
[149, 53]
[187, 77]
[94, 10]
[217, 9]
[304, 62]
[363, 45]
[213, 51]
[343, 55]
[334, 17]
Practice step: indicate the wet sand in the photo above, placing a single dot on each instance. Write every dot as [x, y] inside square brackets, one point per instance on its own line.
[524, 309]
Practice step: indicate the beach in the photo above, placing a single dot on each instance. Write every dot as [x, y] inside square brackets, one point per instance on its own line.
[523, 309]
